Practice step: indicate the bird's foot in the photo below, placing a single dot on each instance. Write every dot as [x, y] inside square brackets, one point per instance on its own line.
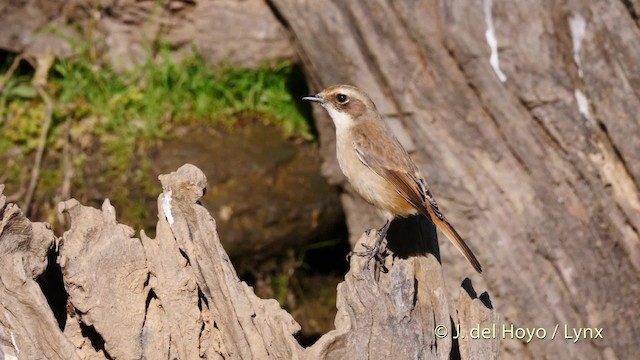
[373, 252]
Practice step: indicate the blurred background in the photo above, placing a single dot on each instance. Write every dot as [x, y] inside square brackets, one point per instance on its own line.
[522, 116]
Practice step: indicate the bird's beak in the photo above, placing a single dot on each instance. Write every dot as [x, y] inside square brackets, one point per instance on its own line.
[314, 98]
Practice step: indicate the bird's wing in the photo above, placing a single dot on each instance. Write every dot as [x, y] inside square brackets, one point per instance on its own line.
[391, 161]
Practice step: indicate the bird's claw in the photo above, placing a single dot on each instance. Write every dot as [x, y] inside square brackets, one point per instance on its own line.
[372, 252]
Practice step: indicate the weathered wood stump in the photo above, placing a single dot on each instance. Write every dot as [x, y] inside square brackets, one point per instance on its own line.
[178, 295]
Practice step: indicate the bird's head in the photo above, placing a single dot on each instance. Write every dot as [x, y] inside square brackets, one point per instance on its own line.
[346, 105]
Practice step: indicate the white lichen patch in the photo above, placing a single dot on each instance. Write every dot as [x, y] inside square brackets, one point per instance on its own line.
[166, 206]
[583, 106]
[577, 26]
[15, 345]
[492, 41]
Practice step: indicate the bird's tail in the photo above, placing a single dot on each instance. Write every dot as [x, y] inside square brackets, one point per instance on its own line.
[456, 239]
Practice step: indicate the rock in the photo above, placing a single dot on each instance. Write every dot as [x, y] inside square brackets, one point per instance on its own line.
[225, 32]
[27, 27]
[239, 33]
[265, 191]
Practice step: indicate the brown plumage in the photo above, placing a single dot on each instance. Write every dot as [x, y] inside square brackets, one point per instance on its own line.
[378, 167]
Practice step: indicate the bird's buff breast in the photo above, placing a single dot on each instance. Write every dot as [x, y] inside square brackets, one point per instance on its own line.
[372, 187]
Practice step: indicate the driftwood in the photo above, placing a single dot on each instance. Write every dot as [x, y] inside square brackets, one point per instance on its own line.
[178, 295]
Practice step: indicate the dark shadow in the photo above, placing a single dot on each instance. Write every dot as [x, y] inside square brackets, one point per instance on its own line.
[455, 345]
[484, 297]
[306, 340]
[24, 68]
[324, 261]
[202, 300]
[150, 296]
[97, 341]
[322, 266]
[53, 289]
[298, 88]
[413, 236]
[468, 287]
[330, 259]
[486, 300]
[630, 9]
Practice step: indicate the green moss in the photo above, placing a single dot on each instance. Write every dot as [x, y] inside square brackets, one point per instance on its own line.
[143, 102]
[113, 116]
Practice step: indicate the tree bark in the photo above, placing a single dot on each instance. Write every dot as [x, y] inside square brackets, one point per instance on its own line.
[533, 152]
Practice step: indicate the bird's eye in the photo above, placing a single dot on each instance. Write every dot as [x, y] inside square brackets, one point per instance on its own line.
[342, 98]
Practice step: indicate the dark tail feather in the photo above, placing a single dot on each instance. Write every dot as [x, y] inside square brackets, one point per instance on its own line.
[456, 239]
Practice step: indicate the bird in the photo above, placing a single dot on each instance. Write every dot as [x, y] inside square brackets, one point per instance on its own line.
[379, 169]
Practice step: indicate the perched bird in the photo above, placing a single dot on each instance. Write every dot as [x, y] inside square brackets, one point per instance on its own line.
[378, 167]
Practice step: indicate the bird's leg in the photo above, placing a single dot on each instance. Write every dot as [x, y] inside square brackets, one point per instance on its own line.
[374, 252]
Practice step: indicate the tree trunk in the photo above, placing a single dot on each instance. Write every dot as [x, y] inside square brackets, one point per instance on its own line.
[533, 151]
